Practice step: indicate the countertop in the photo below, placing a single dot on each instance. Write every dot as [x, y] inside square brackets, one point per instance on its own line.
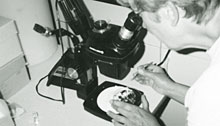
[46, 112]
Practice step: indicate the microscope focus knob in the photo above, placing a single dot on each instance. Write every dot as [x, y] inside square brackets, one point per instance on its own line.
[72, 73]
[100, 26]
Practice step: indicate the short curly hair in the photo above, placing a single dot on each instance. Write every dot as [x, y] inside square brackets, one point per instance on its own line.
[200, 10]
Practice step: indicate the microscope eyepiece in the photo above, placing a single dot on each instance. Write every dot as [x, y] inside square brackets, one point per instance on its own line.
[132, 23]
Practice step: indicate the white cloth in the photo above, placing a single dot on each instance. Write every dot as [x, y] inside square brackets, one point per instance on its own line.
[203, 98]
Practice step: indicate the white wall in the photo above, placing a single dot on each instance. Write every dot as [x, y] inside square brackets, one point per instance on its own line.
[184, 69]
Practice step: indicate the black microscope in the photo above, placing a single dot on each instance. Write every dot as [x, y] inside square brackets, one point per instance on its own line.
[112, 48]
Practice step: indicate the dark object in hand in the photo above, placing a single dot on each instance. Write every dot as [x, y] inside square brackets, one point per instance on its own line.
[127, 95]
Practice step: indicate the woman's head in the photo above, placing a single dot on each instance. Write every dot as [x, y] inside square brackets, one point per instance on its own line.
[199, 10]
[179, 23]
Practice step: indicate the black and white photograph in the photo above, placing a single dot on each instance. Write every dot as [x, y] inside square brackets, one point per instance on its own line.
[109, 63]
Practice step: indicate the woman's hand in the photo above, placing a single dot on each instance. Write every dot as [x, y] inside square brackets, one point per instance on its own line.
[132, 115]
[156, 77]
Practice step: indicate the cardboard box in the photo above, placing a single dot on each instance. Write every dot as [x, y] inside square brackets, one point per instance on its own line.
[13, 77]
[10, 46]
[13, 73]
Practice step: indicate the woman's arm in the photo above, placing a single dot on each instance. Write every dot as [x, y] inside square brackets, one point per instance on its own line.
[157, 78]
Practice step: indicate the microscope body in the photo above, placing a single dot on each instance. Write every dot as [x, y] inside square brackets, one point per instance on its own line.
[115, 48]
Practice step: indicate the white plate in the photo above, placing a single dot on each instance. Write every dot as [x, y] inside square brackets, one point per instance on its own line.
[106, 96]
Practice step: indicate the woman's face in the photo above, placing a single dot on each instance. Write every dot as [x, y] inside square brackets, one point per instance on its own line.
[174, 37]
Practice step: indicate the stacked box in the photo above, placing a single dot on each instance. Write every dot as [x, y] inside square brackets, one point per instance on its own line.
[13, 73]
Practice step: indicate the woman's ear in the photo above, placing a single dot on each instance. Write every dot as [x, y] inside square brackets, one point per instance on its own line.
[170, 13]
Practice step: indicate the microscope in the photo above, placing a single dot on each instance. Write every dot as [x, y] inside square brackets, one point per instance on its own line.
[115, 49]
[112, 48]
